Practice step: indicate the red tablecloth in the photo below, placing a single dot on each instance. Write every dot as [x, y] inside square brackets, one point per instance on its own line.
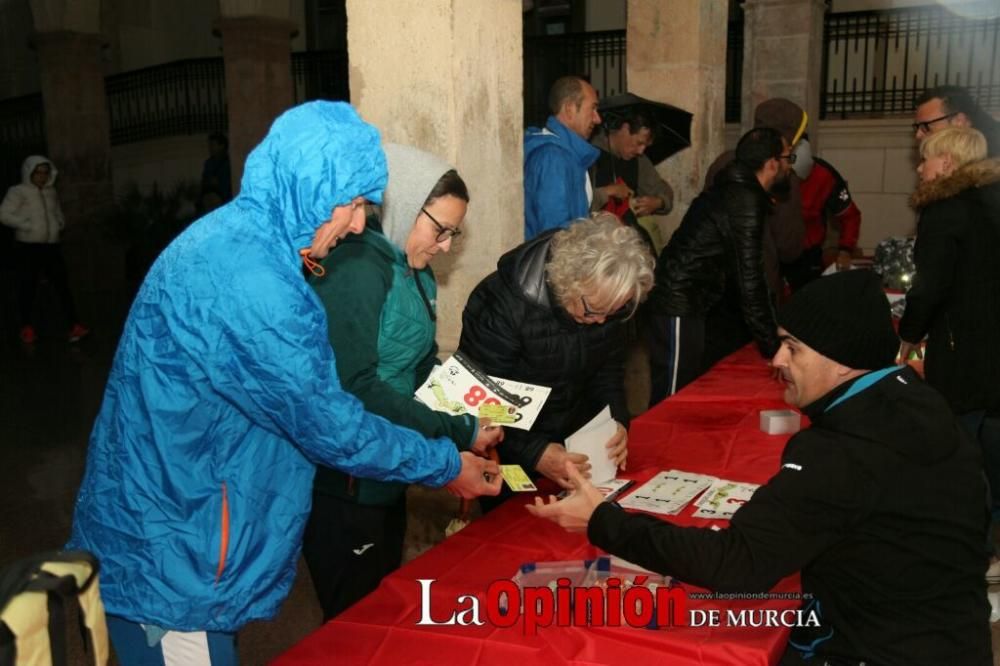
[710, 427]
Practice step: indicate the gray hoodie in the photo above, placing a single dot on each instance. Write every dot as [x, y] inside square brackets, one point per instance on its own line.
[413, 174]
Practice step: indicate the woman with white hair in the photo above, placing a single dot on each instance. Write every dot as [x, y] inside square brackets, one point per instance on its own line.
[553, 314]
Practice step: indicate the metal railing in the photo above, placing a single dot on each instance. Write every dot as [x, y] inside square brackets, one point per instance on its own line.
[320, 75]
[182, 97]
[22, 133]
[598, 56]
[877, 62]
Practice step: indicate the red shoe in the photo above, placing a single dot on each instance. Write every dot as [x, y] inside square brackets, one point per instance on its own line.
[28, 335]
[78, 332]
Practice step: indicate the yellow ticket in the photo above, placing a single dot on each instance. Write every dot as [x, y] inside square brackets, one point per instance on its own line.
[516, 479]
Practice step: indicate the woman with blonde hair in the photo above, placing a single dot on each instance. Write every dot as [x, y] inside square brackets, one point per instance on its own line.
[553, 314]
[955, 297]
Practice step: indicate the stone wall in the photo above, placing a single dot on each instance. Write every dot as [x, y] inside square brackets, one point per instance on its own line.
[878, 158]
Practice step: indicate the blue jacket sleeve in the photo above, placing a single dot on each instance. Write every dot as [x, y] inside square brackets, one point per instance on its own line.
[269, 355]
[549, 194]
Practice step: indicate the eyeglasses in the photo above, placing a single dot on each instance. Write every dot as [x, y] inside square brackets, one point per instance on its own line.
[791, 157]
[925, 126]
[444, 233]
[613, 314]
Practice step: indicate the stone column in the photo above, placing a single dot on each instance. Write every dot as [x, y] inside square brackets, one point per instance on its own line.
[677, 55]
[783, 56]
[77, 125]
[257, 52]
[446, 77]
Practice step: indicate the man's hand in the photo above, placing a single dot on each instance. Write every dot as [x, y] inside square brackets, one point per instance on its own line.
[907, 348]
[487, 437]
[478, 476]
[617, 446]
[573, 512]
[617, 190]
[552, 464]
[843, 260]
[646, 205]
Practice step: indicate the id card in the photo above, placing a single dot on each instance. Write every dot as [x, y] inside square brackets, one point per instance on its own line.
[516, 479]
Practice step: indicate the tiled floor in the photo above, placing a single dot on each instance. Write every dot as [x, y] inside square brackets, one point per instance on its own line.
[49, 395]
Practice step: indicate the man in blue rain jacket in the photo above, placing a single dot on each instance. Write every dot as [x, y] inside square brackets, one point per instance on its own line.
[556, 158]
[223, 396]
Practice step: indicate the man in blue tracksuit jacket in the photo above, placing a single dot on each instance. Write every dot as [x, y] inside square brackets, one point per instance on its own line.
[556, 159]
[224, 395]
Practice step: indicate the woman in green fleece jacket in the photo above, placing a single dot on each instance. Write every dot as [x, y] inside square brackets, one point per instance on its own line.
[379, 294]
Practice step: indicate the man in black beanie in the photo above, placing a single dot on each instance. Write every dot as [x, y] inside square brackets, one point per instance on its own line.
[880, 503]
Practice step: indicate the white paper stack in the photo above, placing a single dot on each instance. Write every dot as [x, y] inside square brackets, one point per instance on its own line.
[591, 440]
[668, 492]
[724, 498]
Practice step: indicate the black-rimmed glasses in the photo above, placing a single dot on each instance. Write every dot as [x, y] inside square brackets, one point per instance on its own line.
[925, 126]
[791, 157]
[587, 312]
[444, 233]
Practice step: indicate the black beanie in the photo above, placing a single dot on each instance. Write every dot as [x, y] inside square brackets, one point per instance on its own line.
[844, 317]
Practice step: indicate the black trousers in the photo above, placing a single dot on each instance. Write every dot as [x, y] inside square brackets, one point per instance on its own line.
[34, 261]
[349, 548]
[676, 354]
[805, 269]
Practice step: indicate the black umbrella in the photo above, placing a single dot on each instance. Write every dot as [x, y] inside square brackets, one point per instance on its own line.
[673, 125]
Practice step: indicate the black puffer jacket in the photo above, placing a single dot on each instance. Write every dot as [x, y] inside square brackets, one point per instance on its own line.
[720, 237]
[955, 297]
[512, 327]
[880, 503]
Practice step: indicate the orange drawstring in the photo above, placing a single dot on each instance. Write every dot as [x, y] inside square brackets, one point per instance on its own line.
[311, 264]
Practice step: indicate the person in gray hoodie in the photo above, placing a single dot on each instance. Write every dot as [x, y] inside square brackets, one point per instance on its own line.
[32, 210]
[379, 294]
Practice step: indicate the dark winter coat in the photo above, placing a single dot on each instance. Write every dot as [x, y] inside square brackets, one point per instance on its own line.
[955, 297]
[720, 238]
[881, 504]
[512, 327]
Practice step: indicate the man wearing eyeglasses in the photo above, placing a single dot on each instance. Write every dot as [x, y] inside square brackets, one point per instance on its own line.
[952, 106]
[717, 250]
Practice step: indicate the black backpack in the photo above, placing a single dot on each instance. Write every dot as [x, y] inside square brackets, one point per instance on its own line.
[33, 594]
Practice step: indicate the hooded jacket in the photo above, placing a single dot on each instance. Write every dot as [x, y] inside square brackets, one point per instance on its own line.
[955, 297]
[34, 213]
[880, 503]
[512, 327]
[556, 183]
[719, 242]
[382, 322]
[223, 396]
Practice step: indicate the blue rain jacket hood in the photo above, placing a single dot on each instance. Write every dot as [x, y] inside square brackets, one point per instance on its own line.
[223, 394]
[556, 160]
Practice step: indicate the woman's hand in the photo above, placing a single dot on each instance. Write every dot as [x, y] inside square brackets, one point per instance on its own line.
[617, 446]
[552, 464]
[487, 437]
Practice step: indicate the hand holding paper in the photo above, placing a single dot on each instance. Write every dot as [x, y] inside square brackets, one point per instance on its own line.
[593, 440]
